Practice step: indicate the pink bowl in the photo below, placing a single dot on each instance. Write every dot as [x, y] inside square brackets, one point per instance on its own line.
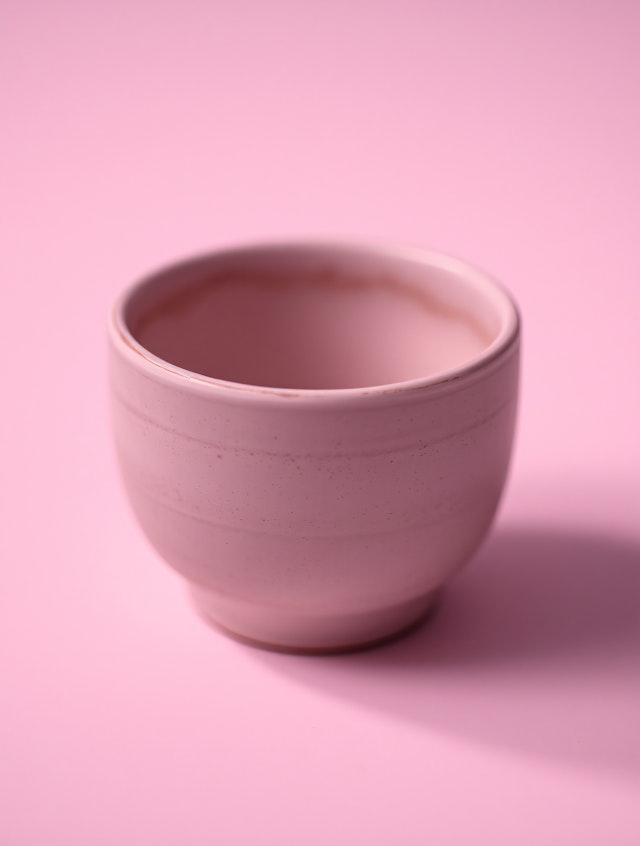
[315, 436]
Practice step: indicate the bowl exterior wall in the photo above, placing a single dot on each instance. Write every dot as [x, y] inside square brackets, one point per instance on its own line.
[309, 521]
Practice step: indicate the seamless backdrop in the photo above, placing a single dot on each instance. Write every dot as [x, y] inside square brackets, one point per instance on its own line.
[506, 133]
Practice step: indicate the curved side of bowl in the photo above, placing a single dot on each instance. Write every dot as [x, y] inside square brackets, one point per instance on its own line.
[310, 523]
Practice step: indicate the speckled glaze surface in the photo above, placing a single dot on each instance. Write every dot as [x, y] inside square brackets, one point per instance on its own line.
[315, 518]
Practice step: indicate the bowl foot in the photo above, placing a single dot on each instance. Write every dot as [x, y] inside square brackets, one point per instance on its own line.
[282, 630]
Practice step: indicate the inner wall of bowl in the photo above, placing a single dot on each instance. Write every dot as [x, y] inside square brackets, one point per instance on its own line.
[311, 318]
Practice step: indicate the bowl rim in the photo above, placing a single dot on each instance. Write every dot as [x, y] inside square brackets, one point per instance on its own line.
[505, 342]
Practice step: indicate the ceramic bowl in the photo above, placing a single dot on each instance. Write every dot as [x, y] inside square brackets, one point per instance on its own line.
[315, 436]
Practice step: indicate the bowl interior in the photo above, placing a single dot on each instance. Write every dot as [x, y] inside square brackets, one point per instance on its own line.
[312, 317]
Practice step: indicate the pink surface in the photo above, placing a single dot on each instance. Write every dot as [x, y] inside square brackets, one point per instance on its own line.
[506, 133]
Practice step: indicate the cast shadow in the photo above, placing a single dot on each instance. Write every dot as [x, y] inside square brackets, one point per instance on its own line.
[536, 648]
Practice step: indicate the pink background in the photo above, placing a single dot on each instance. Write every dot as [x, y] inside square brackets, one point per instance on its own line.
[504, 132]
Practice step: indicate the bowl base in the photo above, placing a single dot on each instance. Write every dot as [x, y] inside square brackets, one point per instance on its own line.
[279, 630]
